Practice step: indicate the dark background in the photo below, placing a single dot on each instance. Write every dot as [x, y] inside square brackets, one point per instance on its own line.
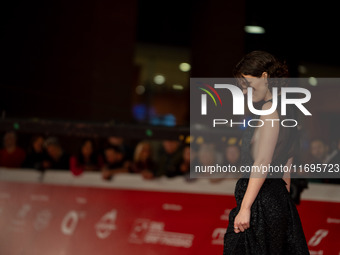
[75, 60]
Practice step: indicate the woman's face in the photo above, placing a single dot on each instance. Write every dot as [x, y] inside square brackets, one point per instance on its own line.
[87, 149]
[145, 152]
[113, 156]
[38, 144]
[186, 154]
[258, 85]
[232, 154]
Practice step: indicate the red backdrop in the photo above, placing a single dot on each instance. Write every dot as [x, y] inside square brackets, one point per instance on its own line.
[39, 219]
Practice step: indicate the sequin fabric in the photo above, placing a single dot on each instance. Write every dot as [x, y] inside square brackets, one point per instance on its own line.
[275, 226]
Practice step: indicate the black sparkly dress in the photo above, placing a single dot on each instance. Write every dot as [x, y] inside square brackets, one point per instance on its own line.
[275, 226]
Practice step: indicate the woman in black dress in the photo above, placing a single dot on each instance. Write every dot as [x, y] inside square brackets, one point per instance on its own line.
[265, 220]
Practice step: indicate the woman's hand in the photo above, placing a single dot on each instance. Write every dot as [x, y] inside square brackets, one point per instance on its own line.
[106, 174]
[242, 220]
[147, 174]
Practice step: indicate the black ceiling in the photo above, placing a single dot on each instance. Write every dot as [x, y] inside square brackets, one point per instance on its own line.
[295, 30]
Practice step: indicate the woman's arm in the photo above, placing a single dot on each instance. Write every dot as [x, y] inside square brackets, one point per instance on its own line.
[74, 166]
[263, 153]
[286, 175]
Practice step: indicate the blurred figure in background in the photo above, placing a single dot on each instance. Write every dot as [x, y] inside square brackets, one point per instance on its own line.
[114, 162]
[56, 157]
[87, 159]
[320, 152]
[336, 158]
[232, 155]
[169, 159]
[207, 157]
[11, 155]
[188, 161]
[36, 153]
[187, 157]
[232, 158]
[142, 160]
[119, 141]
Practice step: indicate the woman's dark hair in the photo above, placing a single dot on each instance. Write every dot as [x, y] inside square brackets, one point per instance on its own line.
[94, 155]
[33, 140]
[257, 62]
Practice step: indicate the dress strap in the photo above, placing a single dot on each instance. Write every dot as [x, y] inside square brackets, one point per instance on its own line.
[270, 100]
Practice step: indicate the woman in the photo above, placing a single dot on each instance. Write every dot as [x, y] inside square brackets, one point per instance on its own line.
[86, 160]
[36, 154]
[142, 160]
[265, 220]
[115, 162]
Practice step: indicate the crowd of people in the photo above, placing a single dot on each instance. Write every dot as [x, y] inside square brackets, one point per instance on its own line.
[151, 159]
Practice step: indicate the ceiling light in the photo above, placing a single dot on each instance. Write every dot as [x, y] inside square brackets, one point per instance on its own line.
[184, 67]
[177, 87]
[159, 79]
[254, 30]
[313, 81]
